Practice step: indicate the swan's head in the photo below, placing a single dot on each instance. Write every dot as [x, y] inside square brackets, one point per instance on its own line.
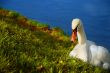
[76, 24]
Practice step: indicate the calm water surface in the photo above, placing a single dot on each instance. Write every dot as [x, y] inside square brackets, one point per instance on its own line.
[95, 15]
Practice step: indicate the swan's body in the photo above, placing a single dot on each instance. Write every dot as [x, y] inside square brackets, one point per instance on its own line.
[87, 50]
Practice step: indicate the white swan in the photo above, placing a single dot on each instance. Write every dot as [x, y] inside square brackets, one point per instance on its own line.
[87, 50]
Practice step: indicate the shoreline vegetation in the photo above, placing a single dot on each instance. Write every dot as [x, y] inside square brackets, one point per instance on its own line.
[29, 46]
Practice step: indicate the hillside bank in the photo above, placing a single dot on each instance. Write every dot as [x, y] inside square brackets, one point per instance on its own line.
[29, 46]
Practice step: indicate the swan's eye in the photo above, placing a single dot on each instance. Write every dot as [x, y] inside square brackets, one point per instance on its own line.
[75, 29]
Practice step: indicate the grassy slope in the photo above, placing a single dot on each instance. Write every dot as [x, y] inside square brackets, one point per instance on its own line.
[26, 51]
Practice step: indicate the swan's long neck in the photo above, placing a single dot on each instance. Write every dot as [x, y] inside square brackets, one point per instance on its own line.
[81, 35]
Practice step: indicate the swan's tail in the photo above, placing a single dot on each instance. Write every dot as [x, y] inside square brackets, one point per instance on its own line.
[106, 65]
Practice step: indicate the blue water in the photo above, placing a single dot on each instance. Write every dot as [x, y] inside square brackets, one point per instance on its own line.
[95, 15]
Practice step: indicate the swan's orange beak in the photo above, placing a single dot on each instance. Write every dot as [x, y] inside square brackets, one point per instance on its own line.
[74, 35]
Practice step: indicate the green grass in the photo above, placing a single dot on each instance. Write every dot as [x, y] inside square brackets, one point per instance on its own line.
[36, 23]
[25, 51]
